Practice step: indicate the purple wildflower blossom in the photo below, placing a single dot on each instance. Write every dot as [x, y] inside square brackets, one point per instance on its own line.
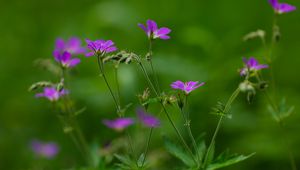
[251, 65]
[281, 7]
[66, 59]
[52, 93]
[44, 149]
[73, 46]
[118, 124]
[147, 119]
[100, 46]
[187, 87]
[154, 32]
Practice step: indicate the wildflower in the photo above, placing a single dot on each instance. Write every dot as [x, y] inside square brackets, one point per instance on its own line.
[281, 8]
[99, 46]
[251, 65]
[52, 93]
[147, 119]
[47, 150]
[65, 59]
[73, 46]
[153, 32]
[118, 124]
[187, 87]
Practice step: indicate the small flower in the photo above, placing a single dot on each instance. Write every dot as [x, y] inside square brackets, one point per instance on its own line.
[65, 59]
[147, 119]
[153, 32]
[187, 87]
[52, 93]
[100, 46]
[73, 46]
[44, 149]
[118, 124]
[281, 8]
[251, 65]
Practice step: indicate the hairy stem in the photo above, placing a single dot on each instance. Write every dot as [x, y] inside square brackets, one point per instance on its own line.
[225, 111]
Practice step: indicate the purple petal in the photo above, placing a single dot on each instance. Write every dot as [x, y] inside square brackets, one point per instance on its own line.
[47, 150]
[178, 85]
[162, 31]
[152, 26]
[89, 54]
[147, 119]
[143, 27]
[119, 123]
[110, 49]
[59, 44]
[73, 62]
[57, 55]
[65, 57]
[274, 3]
[284, 8]
[252, 62]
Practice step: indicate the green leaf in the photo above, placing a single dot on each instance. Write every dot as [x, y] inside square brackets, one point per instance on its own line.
[179, 153]
[211, 154]
[226, 159]
[201, 147]
[126, 162]
[282, 111]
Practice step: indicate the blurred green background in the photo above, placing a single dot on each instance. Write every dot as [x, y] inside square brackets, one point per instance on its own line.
[206, 45]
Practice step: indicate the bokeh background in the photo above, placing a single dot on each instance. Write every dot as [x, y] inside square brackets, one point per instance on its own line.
[206, 45]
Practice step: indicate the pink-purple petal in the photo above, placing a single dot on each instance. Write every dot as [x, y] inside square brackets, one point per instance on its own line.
[73, 62]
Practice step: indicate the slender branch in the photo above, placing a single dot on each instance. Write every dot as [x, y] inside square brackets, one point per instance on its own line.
[226, 109]
[147, 146]
[101, 68]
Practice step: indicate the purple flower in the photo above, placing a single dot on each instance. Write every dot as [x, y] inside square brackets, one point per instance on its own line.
[281, 7]
[118, 124]
[147, 119]
[44, 149]
[52, 93]
[65, 59]
[153, 32]
[100, 46]
[187, 87]
[251, 65]
[73, 46]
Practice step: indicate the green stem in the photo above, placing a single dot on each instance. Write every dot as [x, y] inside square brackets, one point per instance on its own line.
[118, 85]
[225, 111]
[147, 147]
[166, 113]
[101, 68]
[188, 127]
[149, 59]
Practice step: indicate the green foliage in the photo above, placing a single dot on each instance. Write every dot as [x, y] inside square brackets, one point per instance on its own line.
[226, 159]
[127, 163]
[219, 109]
[179, 153]
[282, 111]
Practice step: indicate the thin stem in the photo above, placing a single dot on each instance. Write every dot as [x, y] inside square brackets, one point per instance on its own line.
[100, 64]
[287, 144]
[179, 134]
[118, 85]
[149, 59]
[167, 114]
[69, 119]
[284, 134]
[188, 127]
[226, 109]
[147, 146]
